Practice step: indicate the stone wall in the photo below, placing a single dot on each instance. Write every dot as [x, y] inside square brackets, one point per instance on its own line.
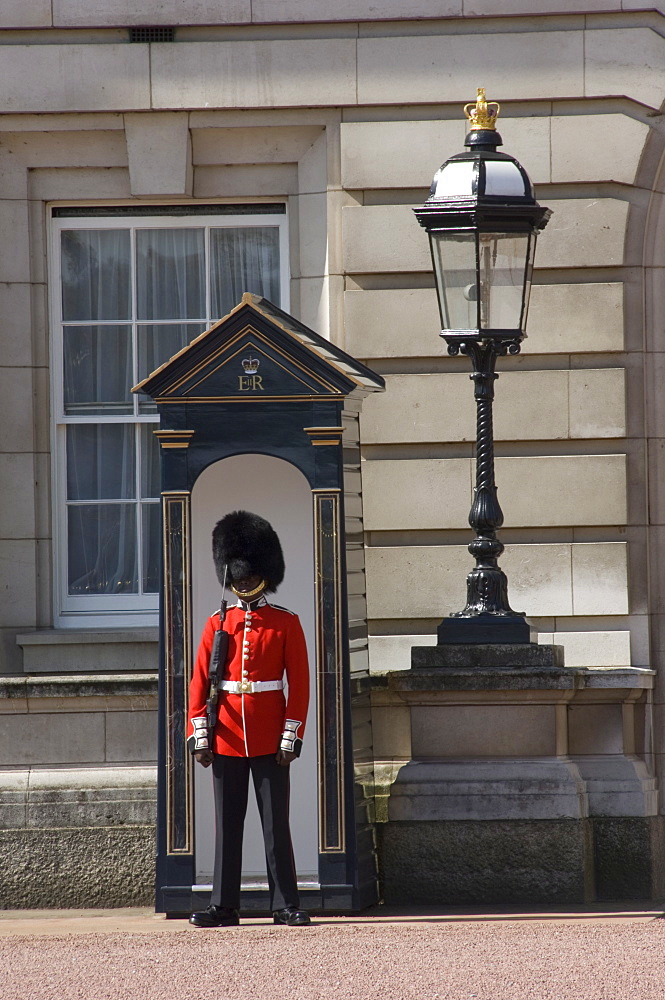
[344, 115]
[77, 791]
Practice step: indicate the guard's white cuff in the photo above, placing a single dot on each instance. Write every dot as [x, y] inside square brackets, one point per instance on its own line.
[290, 741]
[199, 741]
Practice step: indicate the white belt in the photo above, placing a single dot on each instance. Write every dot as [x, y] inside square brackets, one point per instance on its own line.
[251, 687]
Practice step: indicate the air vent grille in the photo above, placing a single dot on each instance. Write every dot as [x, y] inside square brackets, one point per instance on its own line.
[152, 35]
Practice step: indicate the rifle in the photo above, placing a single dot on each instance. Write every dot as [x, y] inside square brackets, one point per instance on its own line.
[218, 653]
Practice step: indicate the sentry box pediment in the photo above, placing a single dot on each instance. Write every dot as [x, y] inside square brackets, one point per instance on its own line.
[263, 413]
[259, 353]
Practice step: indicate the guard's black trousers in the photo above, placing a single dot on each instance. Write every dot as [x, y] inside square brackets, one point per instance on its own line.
[271, 784]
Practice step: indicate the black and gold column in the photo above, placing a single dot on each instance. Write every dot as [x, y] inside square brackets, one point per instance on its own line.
[177, 652]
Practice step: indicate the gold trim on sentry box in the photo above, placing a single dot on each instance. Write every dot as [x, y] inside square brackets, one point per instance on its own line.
[174, 575]
[225, 348]
[174, 439]
[225, 362]
[179, 400]
[324, 435]
[335, 844]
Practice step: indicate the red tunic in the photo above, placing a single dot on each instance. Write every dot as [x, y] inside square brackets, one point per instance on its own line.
[265, 644]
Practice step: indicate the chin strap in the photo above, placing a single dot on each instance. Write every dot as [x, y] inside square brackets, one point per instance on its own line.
[246, 594]
[290, 741]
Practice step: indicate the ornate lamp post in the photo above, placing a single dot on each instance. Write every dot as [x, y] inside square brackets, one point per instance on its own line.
[482, 219]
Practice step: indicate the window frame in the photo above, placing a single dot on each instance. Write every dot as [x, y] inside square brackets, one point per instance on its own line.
[124, 610]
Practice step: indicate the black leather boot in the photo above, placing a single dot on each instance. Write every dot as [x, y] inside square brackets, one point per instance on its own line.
[292, 917]
[215, 916]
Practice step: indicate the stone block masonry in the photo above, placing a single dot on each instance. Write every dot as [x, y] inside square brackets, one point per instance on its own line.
[78, 791]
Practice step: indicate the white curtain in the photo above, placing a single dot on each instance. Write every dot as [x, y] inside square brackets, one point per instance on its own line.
[97, 366]
[96, 274]
[170, 274]
[243, 260]
[101, 465]
[98, 372]
[100, 366]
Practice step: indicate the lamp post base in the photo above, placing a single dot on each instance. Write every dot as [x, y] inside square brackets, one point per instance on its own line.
[485, 629]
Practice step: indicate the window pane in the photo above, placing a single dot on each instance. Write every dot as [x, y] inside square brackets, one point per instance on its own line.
[243, 260]
[170, 273]
[102, 549]
[455, 262]
[503, 260]
[151, 546]
[100, 462]
[98, 369]
[150, 478]
[156, 344]
[96, 274]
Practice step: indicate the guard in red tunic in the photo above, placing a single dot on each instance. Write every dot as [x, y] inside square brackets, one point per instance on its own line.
[258, 730]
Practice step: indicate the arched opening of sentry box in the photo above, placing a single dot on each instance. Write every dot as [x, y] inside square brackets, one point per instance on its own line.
[278, 491]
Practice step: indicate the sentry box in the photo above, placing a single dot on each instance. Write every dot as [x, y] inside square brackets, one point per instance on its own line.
[261, 413]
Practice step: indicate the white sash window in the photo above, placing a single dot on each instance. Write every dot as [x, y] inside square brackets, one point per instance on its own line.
[129, 292]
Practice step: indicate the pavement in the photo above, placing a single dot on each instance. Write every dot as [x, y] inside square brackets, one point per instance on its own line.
[397, 953]
[144, 920]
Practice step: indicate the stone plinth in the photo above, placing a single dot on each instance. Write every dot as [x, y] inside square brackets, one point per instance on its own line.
[483, 629]
[488, 656]
[514, 778]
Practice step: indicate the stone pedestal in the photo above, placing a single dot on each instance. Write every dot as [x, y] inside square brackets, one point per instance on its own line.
[514, 779]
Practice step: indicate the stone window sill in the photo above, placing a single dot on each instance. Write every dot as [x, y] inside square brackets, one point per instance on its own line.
[82, 651]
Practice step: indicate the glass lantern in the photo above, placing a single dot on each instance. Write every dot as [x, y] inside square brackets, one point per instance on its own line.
[482, 219]
[483, 279]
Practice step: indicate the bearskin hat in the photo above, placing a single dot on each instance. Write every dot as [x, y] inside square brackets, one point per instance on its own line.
[248, 546]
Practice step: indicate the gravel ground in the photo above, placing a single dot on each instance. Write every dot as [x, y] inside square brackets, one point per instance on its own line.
[429, 959]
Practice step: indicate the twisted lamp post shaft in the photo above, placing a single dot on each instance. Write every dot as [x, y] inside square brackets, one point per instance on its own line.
[487, 585]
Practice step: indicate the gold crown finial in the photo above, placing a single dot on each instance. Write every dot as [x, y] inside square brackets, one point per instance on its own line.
[481, 115]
